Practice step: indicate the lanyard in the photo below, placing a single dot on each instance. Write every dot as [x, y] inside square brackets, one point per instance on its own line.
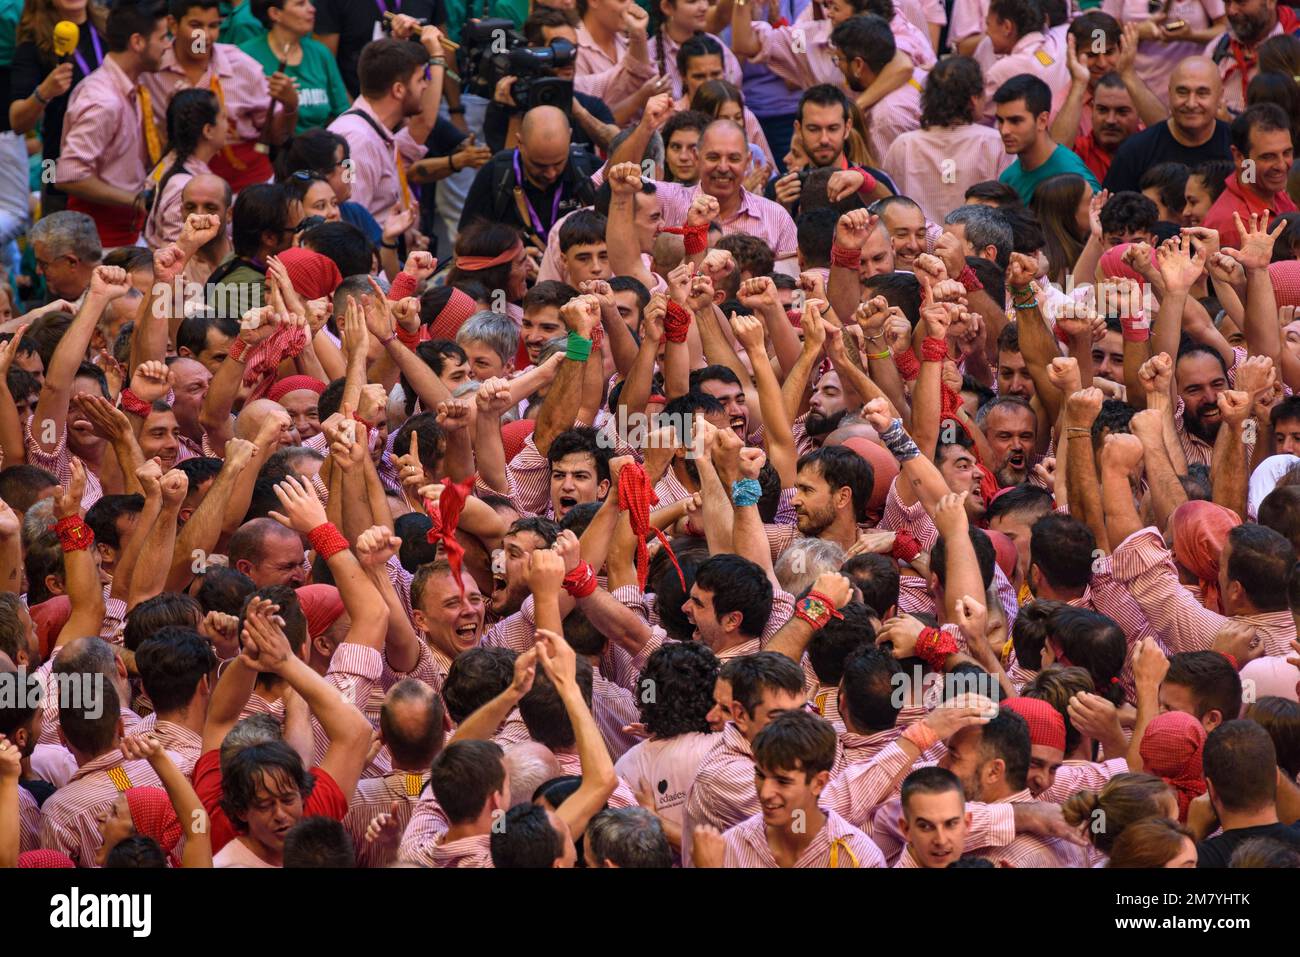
[99, 52]
[383, 7]
[532, 213]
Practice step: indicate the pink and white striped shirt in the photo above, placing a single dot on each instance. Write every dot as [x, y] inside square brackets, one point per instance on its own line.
[374, 157]
[611, 80]
[428, 822]
[472, 851]
[1032, 850]
[176, 738]
[244, 89]
[1038, 54]
[59, 462]
[836, 844]
[755, 215]
[375, 796]
[936, 165]
[1075, 776]
[103, 137]
[29, 821]
[896, 113]
[1146, 567]
[70, 816]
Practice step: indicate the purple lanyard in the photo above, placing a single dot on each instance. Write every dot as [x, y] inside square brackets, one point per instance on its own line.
[383, 7]
[99, 52]
[532, 213]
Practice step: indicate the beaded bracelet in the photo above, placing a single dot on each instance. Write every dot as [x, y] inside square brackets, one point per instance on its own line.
[1031, 304]
[578, 348]
[74, 534]
[745, 492]
[816, 609]
[909, 366]
[327, 540]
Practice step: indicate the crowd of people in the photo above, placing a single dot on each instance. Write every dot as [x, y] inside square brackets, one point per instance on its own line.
[700, 433]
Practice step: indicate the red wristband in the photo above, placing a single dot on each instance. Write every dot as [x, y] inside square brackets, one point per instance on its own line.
[868, 181]
[580, 582]
[934, 647]
[970, 280]
[237, 349]
[695, 238]
[934, 349]
[816, 609]
[906, 547]
[844, 257]
[1232, 660]
[327, 540]
[677, 322]
[130, 402]
[74, 534]
[408, 339]
[1135, 329]
[909, 367]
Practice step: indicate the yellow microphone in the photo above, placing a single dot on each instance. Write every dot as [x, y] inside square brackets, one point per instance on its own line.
[66, 35]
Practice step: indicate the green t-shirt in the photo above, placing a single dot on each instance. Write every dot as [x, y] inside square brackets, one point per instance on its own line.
[321, 93]
[1061, 161]
[10, 12]
[238, 23]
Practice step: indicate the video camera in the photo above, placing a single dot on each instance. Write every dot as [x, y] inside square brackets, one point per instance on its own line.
[491, 49]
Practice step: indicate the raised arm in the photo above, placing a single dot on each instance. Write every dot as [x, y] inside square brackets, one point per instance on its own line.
[560, 663]
[1263, 335]
[1121, 456]
[1083, 490]
[184, 799]
[564, 398]
[346, 727]
[80, 572]
[51, 414]
[778, 434]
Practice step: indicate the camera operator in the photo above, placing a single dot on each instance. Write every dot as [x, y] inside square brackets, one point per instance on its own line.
[533, 185]
[592, 121]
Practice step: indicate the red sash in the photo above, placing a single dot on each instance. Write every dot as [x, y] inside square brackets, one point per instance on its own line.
[248, 167]
[117, 225]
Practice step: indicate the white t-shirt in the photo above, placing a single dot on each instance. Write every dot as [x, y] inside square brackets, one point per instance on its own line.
[237, 854]
[666, 767]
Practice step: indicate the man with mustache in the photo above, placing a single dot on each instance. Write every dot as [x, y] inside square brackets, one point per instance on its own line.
[1262, 151]
[1111, 118]
[1250, 23]
[1011, 427]
[1192, 134]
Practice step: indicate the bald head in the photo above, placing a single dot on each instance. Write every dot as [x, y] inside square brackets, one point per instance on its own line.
[1195, 90]
[724, 132]
[529, 766]
[411, 724]
[268, 553]
[207, 194]
[544, 145]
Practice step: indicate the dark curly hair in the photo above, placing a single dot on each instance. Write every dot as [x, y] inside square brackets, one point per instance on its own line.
[946, 99]
[243, 774]
[676, 689]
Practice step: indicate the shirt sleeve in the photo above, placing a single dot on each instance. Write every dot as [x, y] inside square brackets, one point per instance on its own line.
[82, 139]
[1144, 564]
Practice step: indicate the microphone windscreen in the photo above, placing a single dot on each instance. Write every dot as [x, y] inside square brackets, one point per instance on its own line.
[66, 35]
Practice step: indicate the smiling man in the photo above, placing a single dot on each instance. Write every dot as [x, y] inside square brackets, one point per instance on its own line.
[450, 619]
[1262, 151]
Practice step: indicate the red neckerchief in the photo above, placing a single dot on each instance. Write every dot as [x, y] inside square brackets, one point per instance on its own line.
[1246, 59]
[445, 517]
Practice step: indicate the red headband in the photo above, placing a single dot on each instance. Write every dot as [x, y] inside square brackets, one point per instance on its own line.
[477, 263]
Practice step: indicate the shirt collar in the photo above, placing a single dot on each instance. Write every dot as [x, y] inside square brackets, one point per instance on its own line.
[105, 762]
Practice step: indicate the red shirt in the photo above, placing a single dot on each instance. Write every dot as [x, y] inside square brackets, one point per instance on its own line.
[1093, 156]
[326, 799]
[1240, 200]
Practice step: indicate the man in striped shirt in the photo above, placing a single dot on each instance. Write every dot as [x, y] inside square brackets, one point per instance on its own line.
[934, 819]
[176, 666]
[793, 757]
